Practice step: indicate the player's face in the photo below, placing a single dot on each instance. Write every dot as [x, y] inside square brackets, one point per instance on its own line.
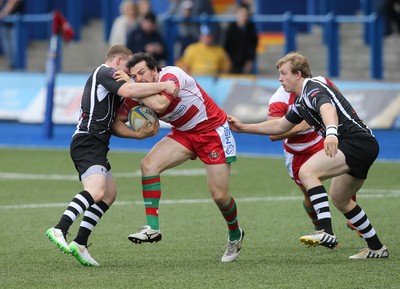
[287, 78]
[141, 73]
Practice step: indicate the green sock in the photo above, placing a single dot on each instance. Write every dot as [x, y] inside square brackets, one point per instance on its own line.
[229, 212]
[151, 189]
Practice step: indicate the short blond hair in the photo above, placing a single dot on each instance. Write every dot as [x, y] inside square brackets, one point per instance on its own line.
[298, 63]
[118, 50]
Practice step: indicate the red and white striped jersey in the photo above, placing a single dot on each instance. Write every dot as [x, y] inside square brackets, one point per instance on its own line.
[279, 104]
[193, 110]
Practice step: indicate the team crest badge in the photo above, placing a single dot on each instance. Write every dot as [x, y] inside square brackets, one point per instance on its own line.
[213, 155]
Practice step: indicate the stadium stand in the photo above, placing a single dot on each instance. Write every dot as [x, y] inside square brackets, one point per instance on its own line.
[84, 53]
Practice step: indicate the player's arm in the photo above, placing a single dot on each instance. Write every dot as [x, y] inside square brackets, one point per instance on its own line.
[158, 102]
[303, 126]
[330, 119]
[269, 127]
[120, 129]
[142, 90]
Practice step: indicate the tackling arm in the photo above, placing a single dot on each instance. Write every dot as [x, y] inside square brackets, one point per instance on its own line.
[303, 126]
[142, 90]
[330, 119]
[269, 127]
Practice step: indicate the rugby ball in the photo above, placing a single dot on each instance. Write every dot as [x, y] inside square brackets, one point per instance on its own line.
[138, 115]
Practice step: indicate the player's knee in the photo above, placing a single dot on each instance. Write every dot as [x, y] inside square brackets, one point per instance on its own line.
[97, 193]
[339, 201]
[110, 197]
[304, 174]
[220, 197]
[148, 167]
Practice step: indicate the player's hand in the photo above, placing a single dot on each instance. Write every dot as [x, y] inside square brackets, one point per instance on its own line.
[171, 88]
[121, 75]
[149, 129]
[331, 146]
[234, 124]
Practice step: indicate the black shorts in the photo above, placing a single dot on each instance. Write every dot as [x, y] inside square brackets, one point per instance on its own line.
[360, 149]
[88, 150]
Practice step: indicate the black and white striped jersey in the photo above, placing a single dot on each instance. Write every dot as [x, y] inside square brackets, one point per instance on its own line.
[99, 103]
[316, 93]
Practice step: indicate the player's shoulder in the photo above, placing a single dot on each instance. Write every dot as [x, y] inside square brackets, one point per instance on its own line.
[280, 95]
[321, 79]
[171, 69]
[104, 71]
[174, 73]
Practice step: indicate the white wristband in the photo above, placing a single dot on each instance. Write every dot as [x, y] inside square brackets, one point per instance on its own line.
[331, 130]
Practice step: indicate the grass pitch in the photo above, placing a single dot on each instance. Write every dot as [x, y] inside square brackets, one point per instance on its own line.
[36, 186]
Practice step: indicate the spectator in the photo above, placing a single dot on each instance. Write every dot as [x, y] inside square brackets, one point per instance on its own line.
[390, 10]
[146, 38]
[241, 41]
[124, 23]
[188, 31]
[202, 7]
[9, 7]
[204, 57]
[144, 7]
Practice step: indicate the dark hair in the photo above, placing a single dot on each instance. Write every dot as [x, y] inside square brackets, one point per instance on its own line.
[150, 16]
[151, 62]
[244, 5]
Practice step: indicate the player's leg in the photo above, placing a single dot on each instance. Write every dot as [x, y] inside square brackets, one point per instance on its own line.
[90, 219]
[318, 168]
[85, 151]
[96, 183]
[309, 209]
[217, 149]
[218, 183]
[167, 153]
[343, 188]
[293, 164]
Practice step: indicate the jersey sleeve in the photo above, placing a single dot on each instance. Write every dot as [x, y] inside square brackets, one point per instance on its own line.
[278, 103]
[170, 77]
[277, 109]
[105, 78]
[293, 116]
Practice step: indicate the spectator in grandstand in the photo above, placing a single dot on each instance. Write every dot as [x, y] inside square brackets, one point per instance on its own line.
[144, 8]
[204, 57]
[299, 144]
[101, 98]
[188, 31]
[390, 10]
[241, 41]
[199, 129]
[201, 7]
[349, 150]
[9, 7]
[146, 38]
[124, 23]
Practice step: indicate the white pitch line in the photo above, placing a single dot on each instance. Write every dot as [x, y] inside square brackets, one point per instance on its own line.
[367, 193]
[137, 173]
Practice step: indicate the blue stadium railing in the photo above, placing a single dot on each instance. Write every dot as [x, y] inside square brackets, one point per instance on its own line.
[372, 24]
[21, 34]
[372, 34]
